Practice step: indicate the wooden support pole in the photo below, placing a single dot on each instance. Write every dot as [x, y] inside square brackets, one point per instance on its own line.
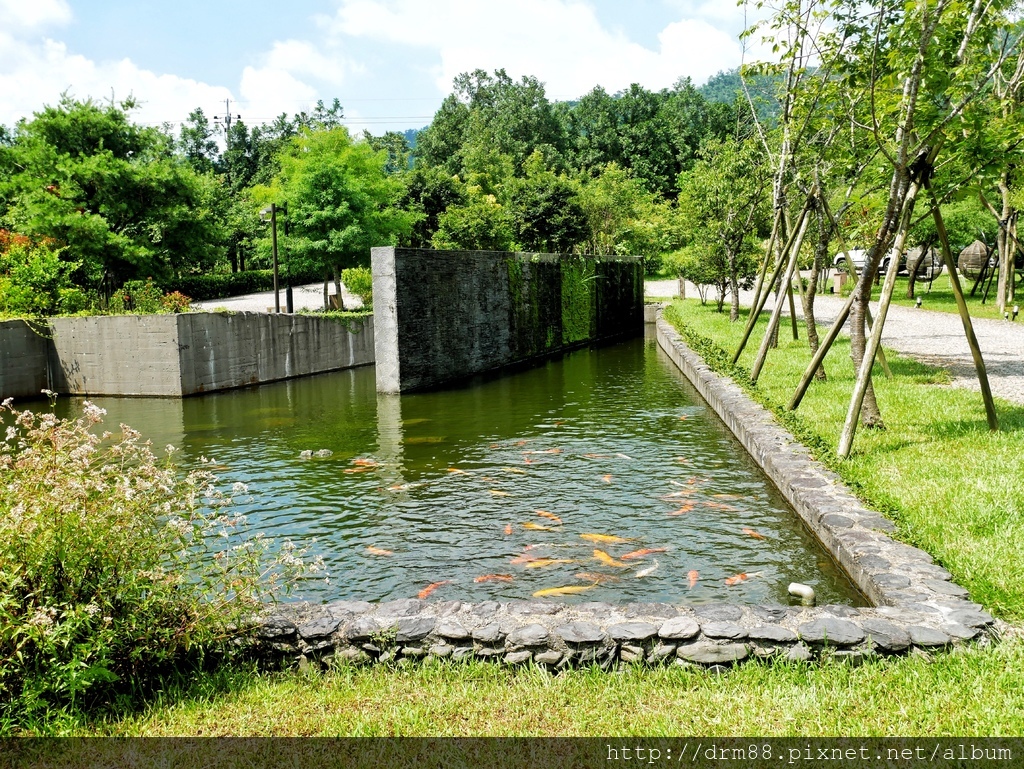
[755, 311]
[792, 307]
[773, 321]
[819, 355]
[767, 257]
[965, 316]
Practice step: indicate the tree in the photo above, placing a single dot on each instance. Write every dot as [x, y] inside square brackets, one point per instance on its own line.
[196, 142]
[546, 214]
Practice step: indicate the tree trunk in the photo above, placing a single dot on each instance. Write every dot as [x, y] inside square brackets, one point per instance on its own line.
[337, 289]
[807, 297]
[734, 287]
[1006, 249]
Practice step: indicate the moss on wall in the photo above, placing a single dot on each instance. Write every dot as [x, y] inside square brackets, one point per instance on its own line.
[579, 300]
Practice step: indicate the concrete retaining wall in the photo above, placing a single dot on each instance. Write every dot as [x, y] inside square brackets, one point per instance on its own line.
[441, 316]
[23, 353]
[178, 355]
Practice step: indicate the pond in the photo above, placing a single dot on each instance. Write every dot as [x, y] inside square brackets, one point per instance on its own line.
[597, 476]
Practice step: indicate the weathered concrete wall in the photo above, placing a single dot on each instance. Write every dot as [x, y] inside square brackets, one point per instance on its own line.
[23, 353]
[441, 316]
[218, 351]
[176, 355]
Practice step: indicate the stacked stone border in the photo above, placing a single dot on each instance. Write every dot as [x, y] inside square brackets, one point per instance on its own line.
[917, 606]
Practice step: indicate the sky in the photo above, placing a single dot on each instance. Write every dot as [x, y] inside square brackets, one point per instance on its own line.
[389, 62]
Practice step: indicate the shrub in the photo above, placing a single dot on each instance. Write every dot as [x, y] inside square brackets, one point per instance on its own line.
[359, 280]
[32, 276]
[113, 567]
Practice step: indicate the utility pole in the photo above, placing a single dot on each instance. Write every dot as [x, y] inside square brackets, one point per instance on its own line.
[239, 262]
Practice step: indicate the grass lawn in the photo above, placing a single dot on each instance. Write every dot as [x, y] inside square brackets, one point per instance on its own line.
[952, 487]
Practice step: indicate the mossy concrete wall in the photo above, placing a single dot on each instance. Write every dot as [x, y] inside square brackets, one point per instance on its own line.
[442, 316]
[175, 355]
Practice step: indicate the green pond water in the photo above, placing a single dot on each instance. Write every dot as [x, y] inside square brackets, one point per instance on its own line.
[610, 441]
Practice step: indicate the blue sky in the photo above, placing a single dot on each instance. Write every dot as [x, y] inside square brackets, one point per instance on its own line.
[389, 62]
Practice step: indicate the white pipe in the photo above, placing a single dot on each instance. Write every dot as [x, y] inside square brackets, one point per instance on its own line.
[804, 592]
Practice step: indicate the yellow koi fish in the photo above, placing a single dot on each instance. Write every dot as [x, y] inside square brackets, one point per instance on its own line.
[497, 493]
[606, 538]
[516, 470]
[606, 559]
[541, 562]
[549, 516]
[567, 590]
[536, 526]
[378, 550]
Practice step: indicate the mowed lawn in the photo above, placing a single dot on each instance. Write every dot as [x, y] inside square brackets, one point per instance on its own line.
[952, 487]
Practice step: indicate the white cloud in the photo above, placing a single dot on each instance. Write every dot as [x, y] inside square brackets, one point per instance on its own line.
[25, 15]
[561, 42]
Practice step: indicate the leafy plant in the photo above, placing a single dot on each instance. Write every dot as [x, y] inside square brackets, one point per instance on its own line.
[359, 280]
[114, 567]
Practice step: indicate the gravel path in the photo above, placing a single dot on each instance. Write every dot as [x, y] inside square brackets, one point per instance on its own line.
[932, 337]
[306, 297]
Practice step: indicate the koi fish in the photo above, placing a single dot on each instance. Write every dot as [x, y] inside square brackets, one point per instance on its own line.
[606, 478]
[567, 590]
[597, 456]
[623, 456]
[610, 539]
[520, 559]
[508, 529]
[521, 443]
[549, 516]
[683, 510]
[726, 496]
[682, 460]
[457, 471]
[693, 575]
[351, 470]
[683, 418]
[517, 470]
[606, 559]
[378, 550]
[431, 588]
[498, 493]
[641, 553]
[538, 563]
[735, 579]
[361, 462]
[536, 526]
[719, 506]
[543, 451]
[678, 494]
[754, 534]
[494, 578]
[596, 577]
[648, 571]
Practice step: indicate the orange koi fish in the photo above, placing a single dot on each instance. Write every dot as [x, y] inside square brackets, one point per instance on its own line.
[567, 590]
[606, 559]
[538, 563]
[549, 516]
[498, 493]
[351, 470]
[754, 534]
[606, 478]
[521, 443]
[431, 588]
[596, 577]
[378, 550]
[642, 552]
[693, 575]
[494, 578]
[536, 526]
[735, 579]
[364, 462]
[683, 418]
[457, 471]
[683, 510]
[610, 539]
[508, 529]
[521, 559]
[719, 506]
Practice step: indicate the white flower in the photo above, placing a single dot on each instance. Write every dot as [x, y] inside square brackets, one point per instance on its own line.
[92, 412]
[239, 488]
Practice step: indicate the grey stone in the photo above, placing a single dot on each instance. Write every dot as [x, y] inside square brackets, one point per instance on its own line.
[659, 610]
[723, 630]
[517, 658]
[800, 653]
[530, 635]
[344, 609]
[441, 651]
[631, 653]
[488, 634]
[486, 609]
[403, 607]
[853, 657]
[538, 607]
[775, 633]
[447, 608]
[362, 629]
[770, 613]
[891, 580]
[926, 636]
[840, 610]
[414, 628]
[632, 631]
[415, 652]
[836, 632]
[945, 588]
[837, 521]
[962, 632]
[276, 628]
[462, 652]
[489, 651]
[580, 633]
[661, 651]
[719, 612]
[885, 635]
[679, 629]
[386, 656]
[712, 654]
[453, 630]
[586, 655]
[878, 523]
[550, 657]
[873, 563]
[352, 655]
[371, 648]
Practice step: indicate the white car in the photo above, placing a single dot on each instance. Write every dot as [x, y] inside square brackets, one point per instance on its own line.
[859, 256]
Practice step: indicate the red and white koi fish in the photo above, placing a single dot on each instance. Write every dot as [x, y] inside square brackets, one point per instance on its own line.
[431, 588]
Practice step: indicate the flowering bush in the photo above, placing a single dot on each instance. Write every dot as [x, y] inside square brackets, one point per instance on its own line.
[113, 566]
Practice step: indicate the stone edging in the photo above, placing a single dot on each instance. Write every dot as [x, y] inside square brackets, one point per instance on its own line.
[917, 605]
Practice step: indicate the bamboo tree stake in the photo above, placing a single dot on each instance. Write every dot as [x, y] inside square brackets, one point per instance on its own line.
[773, 321]
[767, 257]
[792, 306]
[755, 311]
[875, 340]
[965, 316]
[819, 356]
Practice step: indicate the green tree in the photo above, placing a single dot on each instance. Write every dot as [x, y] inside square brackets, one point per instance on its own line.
[196, 142]
[429, 192]
[546, 214]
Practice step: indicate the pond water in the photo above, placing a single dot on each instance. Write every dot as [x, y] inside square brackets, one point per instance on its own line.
[497, 488]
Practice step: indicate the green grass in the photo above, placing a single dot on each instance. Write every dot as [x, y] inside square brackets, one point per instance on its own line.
[939, 296]
[951, 486]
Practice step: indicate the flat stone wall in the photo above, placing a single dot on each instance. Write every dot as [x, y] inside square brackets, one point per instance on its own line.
[441, 316]
[179, 355]
[917, 604]
[23, 355]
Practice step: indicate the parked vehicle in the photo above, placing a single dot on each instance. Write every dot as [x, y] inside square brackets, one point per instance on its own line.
[859, 256]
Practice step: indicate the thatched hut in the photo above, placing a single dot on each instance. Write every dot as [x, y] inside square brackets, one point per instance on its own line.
[924, 265]
[973, 259]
